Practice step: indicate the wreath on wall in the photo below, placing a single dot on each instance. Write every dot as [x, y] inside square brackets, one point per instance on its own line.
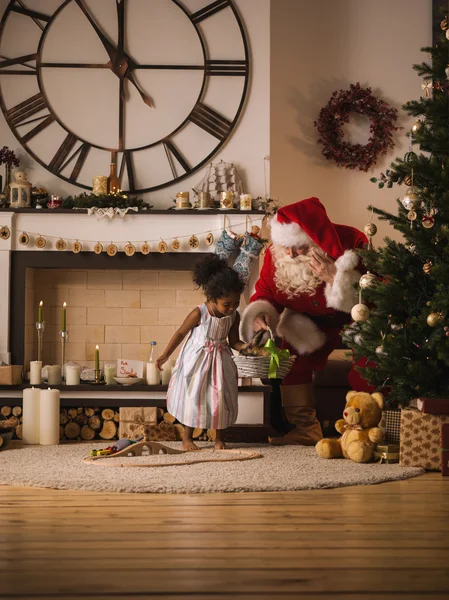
[338, 111]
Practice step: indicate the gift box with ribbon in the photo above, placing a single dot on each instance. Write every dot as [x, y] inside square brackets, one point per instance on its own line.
[133, 420]
[421, 439]
[387, 453]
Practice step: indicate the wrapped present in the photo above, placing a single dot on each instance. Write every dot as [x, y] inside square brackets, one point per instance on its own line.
[133, 420]
[391, 424]
[162, 432]
[445, 449]
[387, 453]
[421, 439]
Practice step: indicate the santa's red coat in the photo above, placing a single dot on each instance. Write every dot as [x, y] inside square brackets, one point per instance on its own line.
[309, 325]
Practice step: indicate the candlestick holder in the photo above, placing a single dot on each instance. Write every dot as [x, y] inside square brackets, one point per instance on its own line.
[40, 326]
[64, 335]
[98, 379]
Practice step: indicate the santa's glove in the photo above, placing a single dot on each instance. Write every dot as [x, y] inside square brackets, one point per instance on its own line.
[228, 245]
[249, 252]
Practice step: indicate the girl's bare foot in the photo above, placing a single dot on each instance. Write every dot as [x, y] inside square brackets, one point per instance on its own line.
[219, 445]
[189, 445]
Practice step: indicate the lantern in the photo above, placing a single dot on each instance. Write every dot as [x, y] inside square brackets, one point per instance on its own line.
[20, 191]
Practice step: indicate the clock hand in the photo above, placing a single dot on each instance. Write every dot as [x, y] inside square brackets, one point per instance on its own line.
[130, 77]
[109, 47]
[121, 31]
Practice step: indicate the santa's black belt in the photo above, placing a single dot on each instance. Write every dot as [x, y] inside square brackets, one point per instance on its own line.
[330, 321]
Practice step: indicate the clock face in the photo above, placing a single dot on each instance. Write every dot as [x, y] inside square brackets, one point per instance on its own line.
[156, 87]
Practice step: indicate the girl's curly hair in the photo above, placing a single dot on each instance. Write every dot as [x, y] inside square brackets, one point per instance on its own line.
[216, 278]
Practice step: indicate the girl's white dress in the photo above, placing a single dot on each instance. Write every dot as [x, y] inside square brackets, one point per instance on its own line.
[203, 387]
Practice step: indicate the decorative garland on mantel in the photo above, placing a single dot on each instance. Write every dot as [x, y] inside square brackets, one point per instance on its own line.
[337, 112]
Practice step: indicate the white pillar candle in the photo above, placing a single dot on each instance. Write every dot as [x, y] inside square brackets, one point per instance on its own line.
[31, 419]
[54, 375]
[166, 372]
[72, 375]
[49, 417]
[36, 372]
[110, 371]
[153, 374]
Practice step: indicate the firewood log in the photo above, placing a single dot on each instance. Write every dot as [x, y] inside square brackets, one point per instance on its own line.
[94, 422]
[17, 411]
[1, 442]
[87, 433]
[211, 435]
[196, 433]
[81, 419]
[168, 418]
[108, 431]
[72, 430]
[6, 411]
[159, 414]
[19, 432]
[72, 412]
[116, 417]
[89, 412]
[107, 414]
[63, 417]
[80, 410]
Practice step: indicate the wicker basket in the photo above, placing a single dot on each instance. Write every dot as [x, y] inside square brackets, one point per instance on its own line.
[257, 366]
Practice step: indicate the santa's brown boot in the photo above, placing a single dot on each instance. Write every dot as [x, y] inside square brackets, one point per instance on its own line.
[299, 407]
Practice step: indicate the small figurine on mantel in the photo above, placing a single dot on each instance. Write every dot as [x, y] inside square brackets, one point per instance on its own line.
[20, 191]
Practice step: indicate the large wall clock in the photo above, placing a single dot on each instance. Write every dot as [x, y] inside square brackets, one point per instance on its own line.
[157, 86]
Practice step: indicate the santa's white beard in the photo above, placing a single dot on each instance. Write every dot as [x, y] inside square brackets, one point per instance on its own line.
[293, 276]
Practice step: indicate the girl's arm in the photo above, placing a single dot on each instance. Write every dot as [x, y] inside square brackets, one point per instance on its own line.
[233, 336]
[192, 320]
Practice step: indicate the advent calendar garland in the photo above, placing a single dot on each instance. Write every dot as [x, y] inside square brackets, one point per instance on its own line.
[337, 113]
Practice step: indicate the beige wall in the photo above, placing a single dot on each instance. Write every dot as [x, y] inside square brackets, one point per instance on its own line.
[121, 311]
[321, 46]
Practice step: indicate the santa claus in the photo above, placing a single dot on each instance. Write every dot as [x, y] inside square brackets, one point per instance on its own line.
[304, 295]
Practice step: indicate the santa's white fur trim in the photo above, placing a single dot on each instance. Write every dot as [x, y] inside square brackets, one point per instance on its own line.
[288, 234]
[341, 294]
[300, 332]
[253, 310]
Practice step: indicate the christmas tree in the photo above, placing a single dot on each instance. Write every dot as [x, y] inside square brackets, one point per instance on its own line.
[401, 329]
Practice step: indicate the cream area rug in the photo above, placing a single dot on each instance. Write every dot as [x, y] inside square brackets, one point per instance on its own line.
[285, 468]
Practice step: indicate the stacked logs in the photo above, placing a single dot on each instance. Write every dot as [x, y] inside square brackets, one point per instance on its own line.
[202, 435]
[14, 417]
[88, 423]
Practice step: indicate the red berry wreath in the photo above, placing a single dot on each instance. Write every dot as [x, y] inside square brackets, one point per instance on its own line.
[337, 112]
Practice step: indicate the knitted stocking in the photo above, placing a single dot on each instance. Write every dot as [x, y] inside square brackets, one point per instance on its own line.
[227, 246]
[250, 250]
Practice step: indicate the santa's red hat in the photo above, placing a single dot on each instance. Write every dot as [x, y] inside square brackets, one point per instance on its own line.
[303, 223]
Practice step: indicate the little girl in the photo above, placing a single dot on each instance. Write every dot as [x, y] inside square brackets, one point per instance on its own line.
[203, 387]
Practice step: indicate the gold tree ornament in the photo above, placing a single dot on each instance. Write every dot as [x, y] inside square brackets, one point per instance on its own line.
[61, 245]
[428, 221]
[370, 229]
[77, 247]
[5, 232]
[426, 88]
[98, 248]
[176, 244]
[40, 242]
[194, 242]
[434, 318]
[209, 239]
[411, 199]
[24, 239]
[427, 267]
[130, 249]
[412, 215]
[360, 313]
[145, 248]
[367, 280]
[416, 125]
[162, 247]
[111, 250]
[408, 180]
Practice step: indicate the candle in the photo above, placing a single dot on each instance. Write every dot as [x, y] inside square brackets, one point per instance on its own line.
[35, 372]
[226, 200]
[166, 372]
[183, 200]
[49, 417]
[153, 374]
[110, 371]
[64, 316]
[31, 419]
[72, 375]
[97, 357]
[245, 202]
[40, 312]
[54, 375]
[100, 185]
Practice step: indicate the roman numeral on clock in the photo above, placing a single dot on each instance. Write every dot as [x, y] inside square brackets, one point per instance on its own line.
[20, 60]
[227, 67]
[21, 114]
[127, 162]
[210, 121]
[63, 157]
[37, 17]
[209, 10]
[172, 151]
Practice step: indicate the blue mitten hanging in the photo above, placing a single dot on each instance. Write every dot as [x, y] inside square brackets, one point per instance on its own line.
[249, 252]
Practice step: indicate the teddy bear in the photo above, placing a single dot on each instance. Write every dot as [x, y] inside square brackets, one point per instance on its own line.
[359, 429]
